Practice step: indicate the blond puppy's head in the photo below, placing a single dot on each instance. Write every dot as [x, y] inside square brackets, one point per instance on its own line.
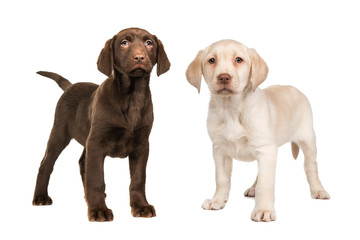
[228, 68]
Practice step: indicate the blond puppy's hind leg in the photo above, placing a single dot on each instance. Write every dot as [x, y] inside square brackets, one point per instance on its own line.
[250, 192]
[311, 169]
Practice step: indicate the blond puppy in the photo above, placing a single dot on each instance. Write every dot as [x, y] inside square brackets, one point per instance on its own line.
[247, 123]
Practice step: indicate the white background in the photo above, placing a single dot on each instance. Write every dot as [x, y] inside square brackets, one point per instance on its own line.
[313, 45]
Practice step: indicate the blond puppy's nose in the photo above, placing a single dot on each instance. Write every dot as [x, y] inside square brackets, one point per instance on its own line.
[224, 78]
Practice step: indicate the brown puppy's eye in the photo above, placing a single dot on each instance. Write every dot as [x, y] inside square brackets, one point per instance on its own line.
[238, 60]
[212, 60]
[124, 43]
[148, 43]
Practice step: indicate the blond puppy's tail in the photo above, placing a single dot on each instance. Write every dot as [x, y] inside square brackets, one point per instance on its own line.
[295, 150]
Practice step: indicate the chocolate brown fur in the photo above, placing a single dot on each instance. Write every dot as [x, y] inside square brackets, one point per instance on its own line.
[113, 119]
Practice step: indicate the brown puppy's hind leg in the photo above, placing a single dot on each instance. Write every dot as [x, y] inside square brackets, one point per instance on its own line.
[58, 140]
[82, 166]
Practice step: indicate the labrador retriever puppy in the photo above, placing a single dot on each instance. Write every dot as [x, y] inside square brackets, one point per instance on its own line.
[247, 123]
[113, 119]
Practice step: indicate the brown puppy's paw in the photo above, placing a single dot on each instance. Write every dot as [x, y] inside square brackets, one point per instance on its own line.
[100, 215]
[42, 200]
[145, 211]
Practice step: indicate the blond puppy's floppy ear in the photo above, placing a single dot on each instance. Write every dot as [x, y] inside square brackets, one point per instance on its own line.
[194, 71]
[259, 69]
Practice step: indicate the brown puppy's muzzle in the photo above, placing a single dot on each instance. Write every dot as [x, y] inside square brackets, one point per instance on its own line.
[139, 58]
[140, 64]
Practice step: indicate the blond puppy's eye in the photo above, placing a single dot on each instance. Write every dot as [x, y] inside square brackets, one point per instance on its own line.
[212, 60]
[238, 60]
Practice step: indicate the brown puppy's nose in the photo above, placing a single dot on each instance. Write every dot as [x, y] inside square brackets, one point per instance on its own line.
[139, 58]
[224, 78]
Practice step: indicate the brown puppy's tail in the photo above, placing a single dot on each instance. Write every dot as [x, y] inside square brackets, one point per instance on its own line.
[61, 81]
[295, 150]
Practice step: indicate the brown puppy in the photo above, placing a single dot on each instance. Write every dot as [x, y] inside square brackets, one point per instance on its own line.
[113, 119]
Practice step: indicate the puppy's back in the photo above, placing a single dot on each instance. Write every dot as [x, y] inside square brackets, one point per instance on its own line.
[72, 110]
[291, 109]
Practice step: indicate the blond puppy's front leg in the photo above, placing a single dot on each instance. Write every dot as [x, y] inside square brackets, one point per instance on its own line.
[223, 165]
[265, 188]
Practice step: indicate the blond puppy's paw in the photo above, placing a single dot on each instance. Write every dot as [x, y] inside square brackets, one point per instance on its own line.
[261, 215]
[320, 194]
[213, 204]
[250, 192]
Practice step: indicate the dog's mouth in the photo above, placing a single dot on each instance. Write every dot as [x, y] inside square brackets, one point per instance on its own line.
[138, 72]
[224, 91]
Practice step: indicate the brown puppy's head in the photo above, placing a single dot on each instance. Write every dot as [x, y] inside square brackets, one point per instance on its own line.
[228, 67]
[133, 52]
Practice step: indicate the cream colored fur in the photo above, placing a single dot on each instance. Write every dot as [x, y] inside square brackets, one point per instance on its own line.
[247, 123]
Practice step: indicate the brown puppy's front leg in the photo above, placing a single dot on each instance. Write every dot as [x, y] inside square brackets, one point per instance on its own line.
[137, 162]
[95, 185]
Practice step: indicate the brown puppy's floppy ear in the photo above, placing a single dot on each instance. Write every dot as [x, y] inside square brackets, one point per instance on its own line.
[194, 71]
[106, 58]
[259, 69]
[163, 63]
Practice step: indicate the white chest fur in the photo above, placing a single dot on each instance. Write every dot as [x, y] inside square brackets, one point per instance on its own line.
[226, 129]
